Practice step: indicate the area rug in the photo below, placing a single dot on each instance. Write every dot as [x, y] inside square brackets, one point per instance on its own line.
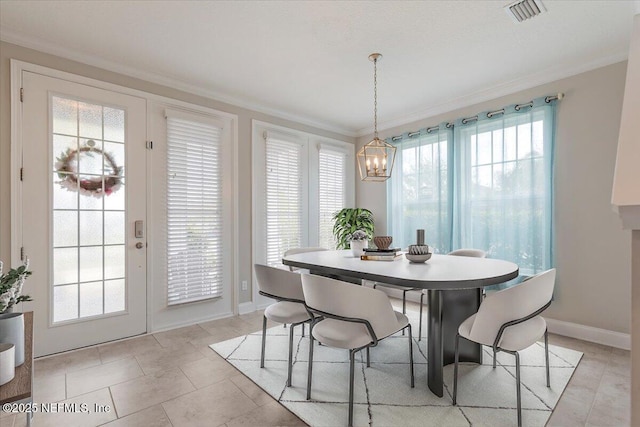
[382, 392]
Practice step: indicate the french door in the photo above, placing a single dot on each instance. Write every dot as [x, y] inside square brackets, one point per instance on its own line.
[83, 212]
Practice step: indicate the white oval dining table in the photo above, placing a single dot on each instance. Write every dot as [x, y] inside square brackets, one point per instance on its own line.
[454, 285]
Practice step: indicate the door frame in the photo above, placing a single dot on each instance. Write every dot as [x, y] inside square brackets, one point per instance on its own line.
[17, 67]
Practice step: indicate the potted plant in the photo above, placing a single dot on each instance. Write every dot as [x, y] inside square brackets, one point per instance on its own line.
[349, 220]
[12, 324]
[358, 241]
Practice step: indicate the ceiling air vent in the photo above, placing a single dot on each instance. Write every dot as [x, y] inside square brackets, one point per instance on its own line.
[522, 10]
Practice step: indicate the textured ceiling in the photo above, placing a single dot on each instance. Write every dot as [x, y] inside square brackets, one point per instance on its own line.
[307, 60]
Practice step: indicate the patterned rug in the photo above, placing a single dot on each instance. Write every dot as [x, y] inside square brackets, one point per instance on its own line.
[382, 392]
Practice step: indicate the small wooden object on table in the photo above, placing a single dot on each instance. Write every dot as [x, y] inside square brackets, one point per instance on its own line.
[20, 388]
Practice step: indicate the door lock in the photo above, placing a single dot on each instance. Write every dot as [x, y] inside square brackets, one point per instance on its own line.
[139, 229]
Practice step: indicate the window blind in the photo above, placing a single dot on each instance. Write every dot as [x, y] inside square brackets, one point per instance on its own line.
[283, 197]
[194, 210]
[331, 192]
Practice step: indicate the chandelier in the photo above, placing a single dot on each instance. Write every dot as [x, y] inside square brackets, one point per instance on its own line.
[376, 157]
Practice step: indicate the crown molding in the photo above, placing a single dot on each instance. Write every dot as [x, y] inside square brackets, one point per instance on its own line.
[16, 38]
[497, 91]
[507, 88]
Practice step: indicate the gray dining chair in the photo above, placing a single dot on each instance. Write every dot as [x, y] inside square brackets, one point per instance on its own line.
[286, 288]
[350, 317]
[509, 320]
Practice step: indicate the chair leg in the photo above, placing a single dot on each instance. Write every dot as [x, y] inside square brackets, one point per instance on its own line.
[264, 339]
[494, 358]
[368, 358]
[546, 354]
[290, 362]
[404, 303]
[310, 369]
[420, 325]
[518, 389]
[455, 371]
[411, 355]
[352, 354]
[303, 330]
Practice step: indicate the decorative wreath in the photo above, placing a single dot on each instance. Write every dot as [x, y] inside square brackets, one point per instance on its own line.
[89, 187]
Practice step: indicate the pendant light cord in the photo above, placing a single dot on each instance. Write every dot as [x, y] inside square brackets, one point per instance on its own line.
[375, 98]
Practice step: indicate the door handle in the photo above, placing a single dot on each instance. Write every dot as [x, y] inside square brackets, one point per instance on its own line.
[139, 245]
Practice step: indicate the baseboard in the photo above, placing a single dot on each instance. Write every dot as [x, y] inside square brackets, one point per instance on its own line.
[168, 327]
[589, 333]
[246, 307]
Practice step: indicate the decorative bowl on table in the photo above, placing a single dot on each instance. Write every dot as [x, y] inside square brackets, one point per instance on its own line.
[418, 249]
[417, 258]
[382, 242]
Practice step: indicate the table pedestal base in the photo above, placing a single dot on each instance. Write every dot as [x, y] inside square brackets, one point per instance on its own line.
[447, 310]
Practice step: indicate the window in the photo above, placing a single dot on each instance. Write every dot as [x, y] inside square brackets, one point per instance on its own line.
[283, 220]
[299, 181]
[194, 209]
[485, 184]
[419, 194]
[331, 191]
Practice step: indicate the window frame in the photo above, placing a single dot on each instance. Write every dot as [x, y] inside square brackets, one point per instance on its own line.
[312, 144]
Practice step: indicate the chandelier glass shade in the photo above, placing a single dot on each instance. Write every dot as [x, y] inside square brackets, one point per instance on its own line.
[376, 157]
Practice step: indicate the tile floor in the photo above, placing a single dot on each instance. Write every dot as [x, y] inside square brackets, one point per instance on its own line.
[173, 378]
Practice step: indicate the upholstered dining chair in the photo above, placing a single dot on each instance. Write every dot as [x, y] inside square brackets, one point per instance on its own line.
[286, 288]
[294, 251]
[350, 317]
[509, 320]
[474, 253]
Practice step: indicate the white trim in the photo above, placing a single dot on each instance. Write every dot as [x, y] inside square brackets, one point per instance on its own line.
[16, 162]
[190, 322]
[246, 307]
[497, 91]
[589, 333]
[13, 37]
[525, 82]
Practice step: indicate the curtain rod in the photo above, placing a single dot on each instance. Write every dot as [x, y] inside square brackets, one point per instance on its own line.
[490, 114]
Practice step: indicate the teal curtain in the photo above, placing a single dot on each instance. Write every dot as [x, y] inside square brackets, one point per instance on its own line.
[419, 191]
[484, 183]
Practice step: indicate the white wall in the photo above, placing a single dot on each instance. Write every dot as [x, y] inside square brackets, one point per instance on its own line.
[592, 250]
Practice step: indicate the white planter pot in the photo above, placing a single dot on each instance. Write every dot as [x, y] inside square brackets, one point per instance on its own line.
[12, 331]
[7, 363]
[357, 247]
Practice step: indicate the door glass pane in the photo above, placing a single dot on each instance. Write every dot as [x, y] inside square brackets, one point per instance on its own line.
[88, 177]
[65, 303]
[113, 124]
[90, 228]
[90, 299]
[114, 262]
[65, 228]
[114, 296]
[90, 263]
[65, 262]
